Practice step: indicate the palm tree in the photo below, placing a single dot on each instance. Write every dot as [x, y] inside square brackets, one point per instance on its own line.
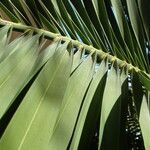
[74, 74]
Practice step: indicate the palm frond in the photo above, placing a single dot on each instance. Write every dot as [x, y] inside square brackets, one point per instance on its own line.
[83, 69]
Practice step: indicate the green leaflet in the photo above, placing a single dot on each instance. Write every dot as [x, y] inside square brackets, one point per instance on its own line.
[77, 59]
[86, 22]
[16, 12]
[3, 34]
[120, 18]
[13, 46]
[63, 17]
[138, 31]
[95, 24]
[52, 15]
[33, 8]
[79, 28]
[50, 26]
[92, 99]
[109, 112]
[123, 26]
[145, 122]
[8, 12]
[101, 12]
[122, 21]
[3, 38]
[28, 12]
[135, 20]
[45, 55]
[144, 7]
[19, 67]
[14, 72]
[40, 106]
[64, 14]
[11, 62]
[84, 27]
[77, 86]
[148, 99]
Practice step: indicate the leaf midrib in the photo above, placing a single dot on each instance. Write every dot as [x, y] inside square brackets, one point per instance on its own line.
[48, 34]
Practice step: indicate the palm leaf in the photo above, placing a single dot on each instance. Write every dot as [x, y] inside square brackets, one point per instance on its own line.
[85, 65]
